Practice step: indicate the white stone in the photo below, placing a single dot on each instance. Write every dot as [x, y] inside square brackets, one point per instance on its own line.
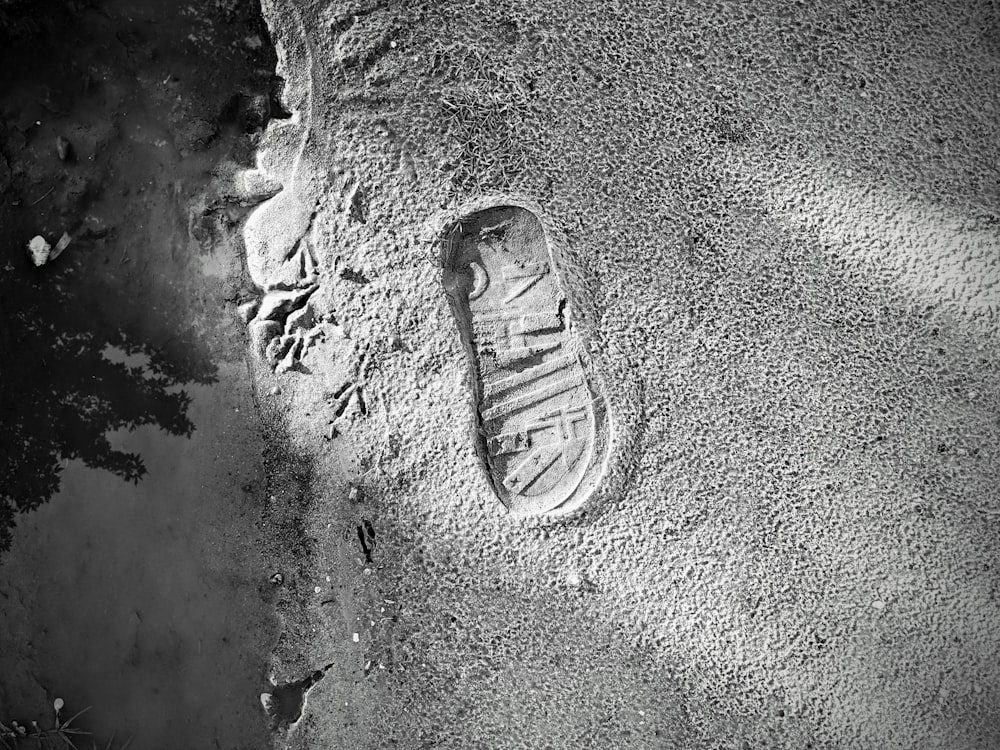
[39, 250]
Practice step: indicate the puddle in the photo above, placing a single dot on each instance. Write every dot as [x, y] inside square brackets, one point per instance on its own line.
[130, 452]
[145, 600]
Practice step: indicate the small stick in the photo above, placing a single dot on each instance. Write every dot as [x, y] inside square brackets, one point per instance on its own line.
[44, 196]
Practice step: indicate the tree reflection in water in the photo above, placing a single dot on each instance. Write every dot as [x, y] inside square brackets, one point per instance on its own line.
[60, 392]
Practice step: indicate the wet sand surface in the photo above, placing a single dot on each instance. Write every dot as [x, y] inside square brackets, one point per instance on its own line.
[784, 220]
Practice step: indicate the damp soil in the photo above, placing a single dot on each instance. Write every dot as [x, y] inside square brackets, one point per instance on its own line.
[132, 573]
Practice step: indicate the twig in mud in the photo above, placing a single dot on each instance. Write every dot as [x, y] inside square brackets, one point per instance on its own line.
[35, 203]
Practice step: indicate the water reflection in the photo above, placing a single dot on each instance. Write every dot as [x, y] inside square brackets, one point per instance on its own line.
[61, 392]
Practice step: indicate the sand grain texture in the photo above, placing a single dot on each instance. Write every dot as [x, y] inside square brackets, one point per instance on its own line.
[784, 216]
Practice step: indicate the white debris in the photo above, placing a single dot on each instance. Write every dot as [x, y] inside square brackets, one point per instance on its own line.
[39, 250]
[42, 252]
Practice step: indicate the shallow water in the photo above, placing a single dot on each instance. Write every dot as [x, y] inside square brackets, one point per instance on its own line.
[147, 601]
[134, 583]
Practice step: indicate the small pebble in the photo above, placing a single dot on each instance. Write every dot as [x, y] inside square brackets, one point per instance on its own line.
[276, 391]
[878, 605]
[317, 589]
[63, 148]
[573, 578]
[39, 250]
[356, 637]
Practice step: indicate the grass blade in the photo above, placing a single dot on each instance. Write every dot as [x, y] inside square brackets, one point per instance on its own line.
[73, 718]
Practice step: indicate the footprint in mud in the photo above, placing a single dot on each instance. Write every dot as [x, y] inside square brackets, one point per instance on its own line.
[543, 432]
